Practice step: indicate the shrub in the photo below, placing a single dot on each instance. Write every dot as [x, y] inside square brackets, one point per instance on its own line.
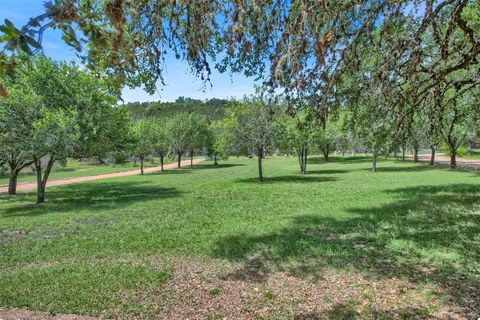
[461, 151]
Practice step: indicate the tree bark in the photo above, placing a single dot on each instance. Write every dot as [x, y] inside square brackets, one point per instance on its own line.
[453, 157]
[415, 154]
[305, 161]
[42, 181]
[301, 158]
[161, 162]
[432, 157]
[12, 182]
[15, 167]
[141, 166]
[260, 171]
[179, 160]
[374, 162]
[325, 155]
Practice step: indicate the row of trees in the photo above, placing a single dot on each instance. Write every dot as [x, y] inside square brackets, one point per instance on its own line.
[184, 133]
[397, 73]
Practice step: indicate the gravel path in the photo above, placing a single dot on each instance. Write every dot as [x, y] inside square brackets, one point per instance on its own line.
[29, 186]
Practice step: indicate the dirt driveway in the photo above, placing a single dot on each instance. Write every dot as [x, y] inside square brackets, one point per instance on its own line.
[29, 186]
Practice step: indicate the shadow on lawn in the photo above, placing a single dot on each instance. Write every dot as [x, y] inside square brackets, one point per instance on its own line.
[338, 159]
[429, 234]
[202, 166]
[288, 179]
[94, 196]
[408, 167]
[327, 171]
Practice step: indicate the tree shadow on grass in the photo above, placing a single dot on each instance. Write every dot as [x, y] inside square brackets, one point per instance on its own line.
[92, 196]
[202, 166]
[288, 179]
[169, 172]
[408, 167]
[338, 159]
[327, 171]
[428, 234]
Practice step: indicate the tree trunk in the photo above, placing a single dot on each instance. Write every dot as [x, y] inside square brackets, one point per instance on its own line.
[432, 156]
[191, 159]
[260, 171]
[42, 181]
[374, 162]
[179, 160]
[12, 182]
[301, 158]
[403, 153]
[325, 155]
[453, 157]
[161, 162]
[415, 154]
[215, 162]
[305, 161]
[141, 166]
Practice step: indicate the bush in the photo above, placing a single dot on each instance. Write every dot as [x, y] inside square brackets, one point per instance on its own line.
[461, 151]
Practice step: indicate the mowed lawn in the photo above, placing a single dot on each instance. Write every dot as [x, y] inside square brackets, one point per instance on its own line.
[339, 242]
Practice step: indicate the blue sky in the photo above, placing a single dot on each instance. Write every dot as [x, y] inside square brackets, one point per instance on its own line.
[179, 81]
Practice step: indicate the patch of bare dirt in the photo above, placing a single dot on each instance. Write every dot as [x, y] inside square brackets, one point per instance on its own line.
[220, 290]
[23, 314]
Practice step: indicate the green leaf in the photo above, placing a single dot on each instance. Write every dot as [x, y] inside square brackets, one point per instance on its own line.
[22, 43]
[34, 43]
[9, 24]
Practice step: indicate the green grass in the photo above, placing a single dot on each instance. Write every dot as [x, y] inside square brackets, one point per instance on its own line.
[474, 155]
[97, 238]
[75, 168]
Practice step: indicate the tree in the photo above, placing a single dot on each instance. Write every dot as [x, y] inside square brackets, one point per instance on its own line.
[143, 134]
[159, 140]
[328, 135]
[456, 120]
[17, 115]
[219, 140]
[54, 137]
[197, 134]
[294, 134]
[178, 129]
[251, 123]
[64, 112]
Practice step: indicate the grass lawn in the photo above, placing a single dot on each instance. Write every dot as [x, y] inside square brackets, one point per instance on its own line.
[76, 168]
[211, 242]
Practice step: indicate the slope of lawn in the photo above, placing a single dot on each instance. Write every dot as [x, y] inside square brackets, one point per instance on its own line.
[106, 247]
[75, 168]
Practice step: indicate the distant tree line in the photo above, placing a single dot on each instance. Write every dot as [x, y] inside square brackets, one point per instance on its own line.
[213, 108]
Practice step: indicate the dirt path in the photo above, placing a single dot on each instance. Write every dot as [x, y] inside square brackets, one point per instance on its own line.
[29, 186]
[442, 159]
